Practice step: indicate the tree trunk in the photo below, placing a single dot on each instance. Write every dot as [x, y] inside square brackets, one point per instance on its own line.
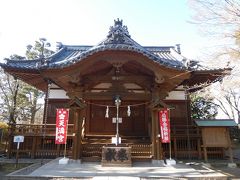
[34, 108]
[12, 114]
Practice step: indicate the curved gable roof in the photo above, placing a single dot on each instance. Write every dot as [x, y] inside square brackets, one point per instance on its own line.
[118, 38]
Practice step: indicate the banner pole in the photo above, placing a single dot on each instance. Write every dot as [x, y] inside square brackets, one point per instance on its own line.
[170, 142]
[65, 146]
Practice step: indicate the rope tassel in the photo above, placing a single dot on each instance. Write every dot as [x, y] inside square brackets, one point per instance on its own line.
[129, 111]
[107, 112]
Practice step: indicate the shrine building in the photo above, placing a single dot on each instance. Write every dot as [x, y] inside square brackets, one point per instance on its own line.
[146, 79]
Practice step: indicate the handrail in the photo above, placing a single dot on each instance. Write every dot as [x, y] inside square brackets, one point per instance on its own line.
[39, 124]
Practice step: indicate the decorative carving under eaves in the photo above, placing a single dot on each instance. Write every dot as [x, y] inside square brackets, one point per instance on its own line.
[159, 79]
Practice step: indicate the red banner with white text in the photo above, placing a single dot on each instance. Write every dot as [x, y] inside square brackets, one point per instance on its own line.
[61, 126]
[164, 126]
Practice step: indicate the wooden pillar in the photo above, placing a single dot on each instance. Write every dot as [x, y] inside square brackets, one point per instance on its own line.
[199, 148]
[58, 150]
[229, 145]
[81, 117]
[175, 146]
[154, 152]
[156, 135]
[76, 136]
[78, 116]
[199, 144]
[158, 141]
[205, 153]
[34, 146]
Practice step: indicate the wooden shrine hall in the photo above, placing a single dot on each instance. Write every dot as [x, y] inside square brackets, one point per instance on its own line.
[87, 80]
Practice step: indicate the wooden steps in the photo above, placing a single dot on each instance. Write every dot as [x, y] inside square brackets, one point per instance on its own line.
[92, 148]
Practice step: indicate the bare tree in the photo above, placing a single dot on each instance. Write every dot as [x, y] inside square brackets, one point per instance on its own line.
[217, 17]
[226, 96]
[219, 20]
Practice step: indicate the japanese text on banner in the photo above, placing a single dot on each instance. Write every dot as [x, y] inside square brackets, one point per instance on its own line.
[164, 126]
[61, 126]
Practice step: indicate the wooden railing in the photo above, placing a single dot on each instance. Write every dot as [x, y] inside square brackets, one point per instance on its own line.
[38, 147]
[186, 143]
[184, 130]
[37, 129]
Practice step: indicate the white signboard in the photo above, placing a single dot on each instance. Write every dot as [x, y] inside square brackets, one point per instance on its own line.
[115, 119]
[18, 139]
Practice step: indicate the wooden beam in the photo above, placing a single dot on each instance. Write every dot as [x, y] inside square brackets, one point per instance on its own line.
[90, 81]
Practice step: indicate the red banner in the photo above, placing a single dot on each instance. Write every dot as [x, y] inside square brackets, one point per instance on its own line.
[164, 126]
[61, 126]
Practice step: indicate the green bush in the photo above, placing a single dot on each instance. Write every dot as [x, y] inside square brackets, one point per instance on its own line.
[3, 125]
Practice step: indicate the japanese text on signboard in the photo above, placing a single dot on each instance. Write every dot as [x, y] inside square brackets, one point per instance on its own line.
[61, 126]
[164, 126]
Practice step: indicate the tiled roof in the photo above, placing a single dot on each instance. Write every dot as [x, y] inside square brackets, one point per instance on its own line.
[118, 38]
[21, 64]
[71, 54]
[216, 122]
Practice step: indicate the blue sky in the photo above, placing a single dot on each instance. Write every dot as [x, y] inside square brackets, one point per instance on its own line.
[86, 22]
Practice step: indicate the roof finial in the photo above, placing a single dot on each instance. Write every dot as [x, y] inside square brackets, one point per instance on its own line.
[178, 48]
[117, 22]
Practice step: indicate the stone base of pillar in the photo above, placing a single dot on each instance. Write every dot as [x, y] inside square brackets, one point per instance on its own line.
[158, 162]
[63, 160]
[75, 161]
[232, 165]
[170, 162]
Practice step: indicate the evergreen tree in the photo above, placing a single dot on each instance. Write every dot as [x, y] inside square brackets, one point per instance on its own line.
[10, 88]
[20, 100]
[202, 108]
[39, 50]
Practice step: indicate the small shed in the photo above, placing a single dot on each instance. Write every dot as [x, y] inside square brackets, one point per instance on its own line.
[215, 133]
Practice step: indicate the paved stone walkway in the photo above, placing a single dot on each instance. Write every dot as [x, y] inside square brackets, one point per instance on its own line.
[144, 171]
[137, 171]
